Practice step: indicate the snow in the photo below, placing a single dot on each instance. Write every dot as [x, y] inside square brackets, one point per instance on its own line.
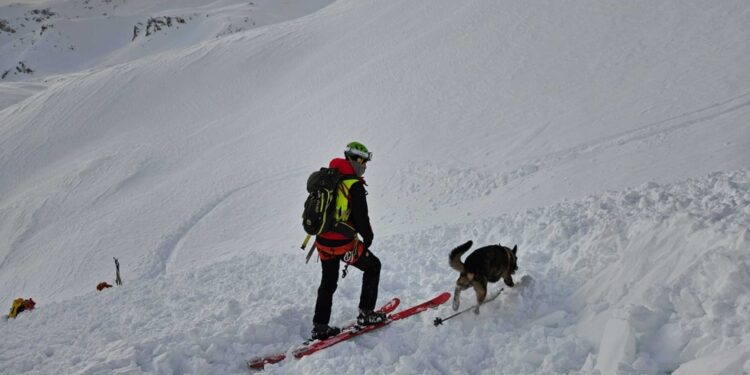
[609, 140]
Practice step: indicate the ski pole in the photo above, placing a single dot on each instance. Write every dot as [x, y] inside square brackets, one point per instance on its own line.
[118, 281]
[304, 243]
[438, 321]
[310, 253]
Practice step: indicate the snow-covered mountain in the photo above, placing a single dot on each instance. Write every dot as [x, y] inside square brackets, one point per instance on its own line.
[41, 38]
[609, 140]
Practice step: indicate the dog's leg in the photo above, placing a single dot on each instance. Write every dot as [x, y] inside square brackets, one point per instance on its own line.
[480, 287]
[457, 297]
[463, 283]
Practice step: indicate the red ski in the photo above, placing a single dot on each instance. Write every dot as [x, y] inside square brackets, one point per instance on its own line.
[350, 332]
[258, 363]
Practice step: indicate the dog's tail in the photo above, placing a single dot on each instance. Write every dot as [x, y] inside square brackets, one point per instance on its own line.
[455, 257]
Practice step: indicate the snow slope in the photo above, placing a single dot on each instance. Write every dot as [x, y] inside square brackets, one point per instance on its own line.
[608, 140]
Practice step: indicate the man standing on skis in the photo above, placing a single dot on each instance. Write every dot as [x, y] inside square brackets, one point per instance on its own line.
[342, 244]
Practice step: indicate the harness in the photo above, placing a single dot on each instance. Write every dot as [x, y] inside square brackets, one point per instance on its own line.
[352, 251]
[328, 252]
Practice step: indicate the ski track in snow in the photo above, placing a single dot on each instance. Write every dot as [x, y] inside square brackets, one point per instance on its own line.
[166, 250]
[169, 247]
[204, 320]
[659, 129]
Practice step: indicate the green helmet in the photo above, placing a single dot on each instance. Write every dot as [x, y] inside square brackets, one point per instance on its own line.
[357, 150]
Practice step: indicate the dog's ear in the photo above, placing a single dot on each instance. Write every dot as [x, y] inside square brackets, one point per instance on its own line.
[515, 248]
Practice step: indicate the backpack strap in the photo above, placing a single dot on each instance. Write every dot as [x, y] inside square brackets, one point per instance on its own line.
[343, 197]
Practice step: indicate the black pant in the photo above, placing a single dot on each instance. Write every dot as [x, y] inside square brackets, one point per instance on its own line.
[368, 263]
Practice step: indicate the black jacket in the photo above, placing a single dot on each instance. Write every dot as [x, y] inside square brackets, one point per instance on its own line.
[359, 218]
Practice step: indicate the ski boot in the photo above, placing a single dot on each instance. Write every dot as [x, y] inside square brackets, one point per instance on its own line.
[324, 331]
[369, 317]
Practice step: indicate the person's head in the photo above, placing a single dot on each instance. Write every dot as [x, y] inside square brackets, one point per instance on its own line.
[358, 155]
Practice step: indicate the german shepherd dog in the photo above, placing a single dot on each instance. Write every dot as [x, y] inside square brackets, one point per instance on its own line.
[486, 264]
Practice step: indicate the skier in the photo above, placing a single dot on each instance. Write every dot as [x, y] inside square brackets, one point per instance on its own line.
[342, 243]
